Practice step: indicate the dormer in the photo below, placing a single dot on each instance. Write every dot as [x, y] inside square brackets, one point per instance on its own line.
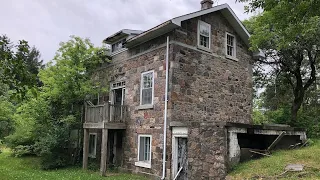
[117, 40]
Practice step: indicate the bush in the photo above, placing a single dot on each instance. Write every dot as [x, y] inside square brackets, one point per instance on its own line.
[6, 112]
[20, 151]
[52, 146]
[307, 118]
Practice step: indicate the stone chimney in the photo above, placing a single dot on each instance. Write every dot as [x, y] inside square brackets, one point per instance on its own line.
[206, 4]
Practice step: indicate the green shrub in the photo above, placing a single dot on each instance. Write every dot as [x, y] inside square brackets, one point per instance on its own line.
[52, 146]
[6, 112]
[20, 151]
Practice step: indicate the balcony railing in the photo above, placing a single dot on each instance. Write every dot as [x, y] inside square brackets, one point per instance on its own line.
[109, 113]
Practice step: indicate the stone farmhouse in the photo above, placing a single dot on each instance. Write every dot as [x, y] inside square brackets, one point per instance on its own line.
[174, 91]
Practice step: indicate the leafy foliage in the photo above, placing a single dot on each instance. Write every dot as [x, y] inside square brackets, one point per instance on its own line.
[289, 34]
[28, 118]
[19, 66]
[6, 122]
[44, 123]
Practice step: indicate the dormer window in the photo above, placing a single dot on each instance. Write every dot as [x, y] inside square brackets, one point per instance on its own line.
[118, 45]
[204, 35]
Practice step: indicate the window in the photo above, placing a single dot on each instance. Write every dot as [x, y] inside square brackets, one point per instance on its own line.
[144, 151]
[230, 45]
[204, 35]
[146, 94]
[92, 145]
[118, 45]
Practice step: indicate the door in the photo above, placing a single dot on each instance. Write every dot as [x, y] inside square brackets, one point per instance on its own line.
[117, 103]
[181, 160]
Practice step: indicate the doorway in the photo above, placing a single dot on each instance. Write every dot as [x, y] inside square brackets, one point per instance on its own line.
[115, 150]
[179, 153]
[117, 100]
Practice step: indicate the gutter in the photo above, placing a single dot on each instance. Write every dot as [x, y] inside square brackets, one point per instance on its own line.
[165, 114]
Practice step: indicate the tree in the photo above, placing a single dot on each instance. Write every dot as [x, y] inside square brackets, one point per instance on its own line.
[66, 84]
[6, 112]
[19, 66]
[289, 34]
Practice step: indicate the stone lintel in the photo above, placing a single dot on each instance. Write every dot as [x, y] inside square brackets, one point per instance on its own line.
[178, 124]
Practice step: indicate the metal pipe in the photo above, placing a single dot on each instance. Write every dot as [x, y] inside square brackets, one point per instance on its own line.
[165, 114]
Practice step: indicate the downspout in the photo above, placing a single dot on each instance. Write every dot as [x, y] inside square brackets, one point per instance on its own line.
[165, 114]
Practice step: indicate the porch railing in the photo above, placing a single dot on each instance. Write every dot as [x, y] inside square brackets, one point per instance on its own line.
[106, 113]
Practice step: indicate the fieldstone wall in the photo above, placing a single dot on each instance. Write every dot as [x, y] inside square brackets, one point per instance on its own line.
[207, 153]
[208, 90]
[187, 34]
[205, 90]
[206, 86]
[141, 121]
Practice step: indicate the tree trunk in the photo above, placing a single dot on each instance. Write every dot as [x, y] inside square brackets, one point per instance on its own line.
[296, 104]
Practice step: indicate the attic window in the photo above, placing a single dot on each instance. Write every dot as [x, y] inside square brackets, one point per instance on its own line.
[118, 45]
[230, 45]
[204, 35]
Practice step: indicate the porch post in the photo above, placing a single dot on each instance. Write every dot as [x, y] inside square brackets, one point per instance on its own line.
[103, 165]
[85, 148]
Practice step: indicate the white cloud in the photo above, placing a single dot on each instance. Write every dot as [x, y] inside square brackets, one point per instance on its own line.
[46, 23]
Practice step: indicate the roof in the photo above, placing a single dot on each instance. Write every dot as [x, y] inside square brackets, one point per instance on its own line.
[121, 34]
[169, 25]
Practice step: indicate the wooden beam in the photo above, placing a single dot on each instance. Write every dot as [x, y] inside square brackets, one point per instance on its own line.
[103, 165]
[256, 152]
[93, 125]
[85, 148]
[276, 141]
[115, 125]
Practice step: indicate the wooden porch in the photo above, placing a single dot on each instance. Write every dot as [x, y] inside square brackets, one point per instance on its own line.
[104, 117]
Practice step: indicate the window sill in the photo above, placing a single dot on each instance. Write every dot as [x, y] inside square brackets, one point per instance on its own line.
[143, 164]
[232, 58]
[204, 49]
[142, 107]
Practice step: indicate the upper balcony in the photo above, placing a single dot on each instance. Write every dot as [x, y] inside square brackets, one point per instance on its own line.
[106, 116]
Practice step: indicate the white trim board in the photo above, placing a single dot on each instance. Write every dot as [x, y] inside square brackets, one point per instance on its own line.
[143, 163]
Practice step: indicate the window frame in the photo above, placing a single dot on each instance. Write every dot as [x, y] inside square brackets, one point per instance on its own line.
[117, 42]
[144, 164]
[234, 52]
[141, 88]
[198, 33]
[94, 153]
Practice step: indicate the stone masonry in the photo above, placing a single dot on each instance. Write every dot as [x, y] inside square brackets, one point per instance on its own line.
[205, 90]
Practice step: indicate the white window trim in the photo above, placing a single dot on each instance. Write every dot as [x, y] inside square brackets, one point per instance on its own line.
[143, 163]
[234, 57]
[93, 155]
[141, 85]
[198, 32]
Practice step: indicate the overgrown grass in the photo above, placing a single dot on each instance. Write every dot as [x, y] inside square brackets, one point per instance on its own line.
[273, 167]
[28, 168]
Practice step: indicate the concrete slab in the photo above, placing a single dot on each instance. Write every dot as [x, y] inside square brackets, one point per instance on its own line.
[294, 167]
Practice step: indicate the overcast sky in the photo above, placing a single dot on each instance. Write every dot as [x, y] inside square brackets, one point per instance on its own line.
[45, 23]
